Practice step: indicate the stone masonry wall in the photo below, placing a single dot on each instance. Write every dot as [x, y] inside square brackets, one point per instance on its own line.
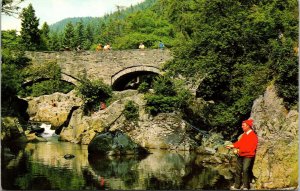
[103, 64]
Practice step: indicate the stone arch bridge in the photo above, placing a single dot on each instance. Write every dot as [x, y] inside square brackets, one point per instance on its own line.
[115, 68]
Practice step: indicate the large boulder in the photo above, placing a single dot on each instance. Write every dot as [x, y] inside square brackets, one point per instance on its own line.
[54, 108]
[82, 128]
[271, 117]
[276, 163]
[114, 143]
[164, 131]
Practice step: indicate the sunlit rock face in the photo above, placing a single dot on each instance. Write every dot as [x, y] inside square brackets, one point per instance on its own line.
[276, 164]
[53, 108]
[164, 131]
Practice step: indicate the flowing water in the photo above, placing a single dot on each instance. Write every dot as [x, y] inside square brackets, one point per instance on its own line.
[42, 166]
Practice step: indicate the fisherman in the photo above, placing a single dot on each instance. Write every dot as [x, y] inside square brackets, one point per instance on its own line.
[245, 148]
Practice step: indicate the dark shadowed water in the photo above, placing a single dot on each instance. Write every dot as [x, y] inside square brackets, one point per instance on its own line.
[42, 166]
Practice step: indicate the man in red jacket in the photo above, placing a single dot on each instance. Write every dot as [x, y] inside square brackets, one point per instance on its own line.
[245, 147]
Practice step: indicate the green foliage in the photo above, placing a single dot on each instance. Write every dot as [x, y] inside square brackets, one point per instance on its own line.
[93, 92]
[10, 40]
[285, 66]
[10, 80]
[45, 80]
[163, 85]
[13, 61]
[131, 111]
[30, 34]
[69, 37]
[143, 87]
[45, 36]
[49, 69]
[236, 48]
[46, 87]
[79, 34]
[89, 37]
[54, 43]
[144, 26]
[161, 104]
[96, 22]
[168, 96]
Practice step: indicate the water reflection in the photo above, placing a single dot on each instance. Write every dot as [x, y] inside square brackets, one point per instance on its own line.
[42, 166]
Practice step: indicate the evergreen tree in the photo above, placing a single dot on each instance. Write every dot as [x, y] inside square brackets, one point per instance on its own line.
[30, 33]
[45, 36]
[54, 43]
[88, 37]
[68, 41]
[79, 34]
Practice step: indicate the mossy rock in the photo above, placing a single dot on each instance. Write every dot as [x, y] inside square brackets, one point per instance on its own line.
[114, 143]
[11, 130]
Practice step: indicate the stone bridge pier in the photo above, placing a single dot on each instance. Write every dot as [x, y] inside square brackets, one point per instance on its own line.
[115, 68]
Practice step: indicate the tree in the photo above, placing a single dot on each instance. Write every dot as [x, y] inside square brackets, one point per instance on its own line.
[236, 47]
[88, 37]
[13, 61]
[10, 7]
[54, 43]
[79, 34]
[45, 36]
[68, 41]
[30, 33]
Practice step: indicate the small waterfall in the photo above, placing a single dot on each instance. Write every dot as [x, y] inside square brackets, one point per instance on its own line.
[47, 132]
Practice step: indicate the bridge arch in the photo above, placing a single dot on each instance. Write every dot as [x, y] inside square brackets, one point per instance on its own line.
[64, 78]
[122, 77]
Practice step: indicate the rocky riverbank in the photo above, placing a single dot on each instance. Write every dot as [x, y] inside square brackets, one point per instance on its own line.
[276, 164]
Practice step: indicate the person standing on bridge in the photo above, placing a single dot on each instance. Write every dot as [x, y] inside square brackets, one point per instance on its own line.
[161, 45]
[245, 148]
[141, 46]
[107, 47]
[99, 47]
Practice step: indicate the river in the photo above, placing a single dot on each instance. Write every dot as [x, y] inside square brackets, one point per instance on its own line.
[42, 166]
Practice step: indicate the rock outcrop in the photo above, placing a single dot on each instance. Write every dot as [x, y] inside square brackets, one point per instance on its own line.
[53, 108]
[11, 130]
[164, 131]
[114, 143]
[82, 128]
[276, 164]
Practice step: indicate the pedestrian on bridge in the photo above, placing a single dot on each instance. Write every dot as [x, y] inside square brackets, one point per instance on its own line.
[142, 46]
[99, 47]
[161, 45]
[107, 47]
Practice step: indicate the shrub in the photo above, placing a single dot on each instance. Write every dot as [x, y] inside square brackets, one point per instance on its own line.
[161, 104]
[143, 87]
[131, 111]
[163, 85]
[93, 92]
[168, 96]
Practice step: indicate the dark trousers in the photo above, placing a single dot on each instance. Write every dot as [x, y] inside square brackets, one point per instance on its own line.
[244, 172]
